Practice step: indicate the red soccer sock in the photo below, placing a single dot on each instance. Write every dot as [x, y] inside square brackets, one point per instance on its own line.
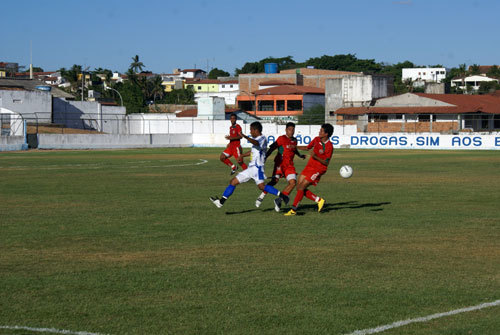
[298, 198]
[243, 166]
[228, 162]
[286, 193]
[310, 195]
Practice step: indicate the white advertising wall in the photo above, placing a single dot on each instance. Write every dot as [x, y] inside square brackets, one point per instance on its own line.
[378, 141]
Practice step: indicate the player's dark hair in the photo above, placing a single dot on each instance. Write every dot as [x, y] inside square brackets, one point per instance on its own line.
[256, 125]
[328, 128]
[232, 114]
[290, 124]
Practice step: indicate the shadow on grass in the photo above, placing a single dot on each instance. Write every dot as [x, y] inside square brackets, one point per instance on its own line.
[375, 207]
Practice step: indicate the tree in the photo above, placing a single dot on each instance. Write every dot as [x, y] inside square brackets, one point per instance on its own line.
[183, 96]
[494, 72]
[136, 65]
[215, 73]
[72, 76]
[155, 89]
[474, 69]
[35, 69]
[284, 63]
[133, 97]
[347, 62]
[488, 87]
[396, 70]
[313, 115]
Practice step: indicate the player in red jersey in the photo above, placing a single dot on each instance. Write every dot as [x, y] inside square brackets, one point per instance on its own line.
[233, 147]
[315, 168]
[283, 164]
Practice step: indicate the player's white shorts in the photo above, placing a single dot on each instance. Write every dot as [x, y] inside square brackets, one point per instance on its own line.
[252, 172]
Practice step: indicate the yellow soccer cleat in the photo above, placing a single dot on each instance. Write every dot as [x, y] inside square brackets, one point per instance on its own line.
[291, 212]
[321, 203]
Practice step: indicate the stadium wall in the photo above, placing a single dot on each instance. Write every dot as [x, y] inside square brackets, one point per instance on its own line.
[11, 143]
[304, 134]
[110, 141]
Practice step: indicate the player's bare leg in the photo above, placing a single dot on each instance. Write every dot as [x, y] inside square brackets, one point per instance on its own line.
[302, 184]
[302, 190]
[224, 159]
[241, 162]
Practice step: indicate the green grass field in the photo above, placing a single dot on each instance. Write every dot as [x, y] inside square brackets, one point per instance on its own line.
[127, 242]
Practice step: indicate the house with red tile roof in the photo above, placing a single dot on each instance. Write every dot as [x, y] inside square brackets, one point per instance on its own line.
[421, 112]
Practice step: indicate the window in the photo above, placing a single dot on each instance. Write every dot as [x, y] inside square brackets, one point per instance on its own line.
[398, 116]
[231, 86]
[266, 105]
[424, 73]
[442, 72]
[294, 105]
[496, 122]
[468, 121]
[223, 86]
[199, 87]
[280, 105]
[426, 117]
[17, 101]
[351, 117]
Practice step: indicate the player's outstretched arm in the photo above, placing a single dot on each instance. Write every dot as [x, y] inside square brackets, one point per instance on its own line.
[249, 139]
[297, 152]
[272, 147]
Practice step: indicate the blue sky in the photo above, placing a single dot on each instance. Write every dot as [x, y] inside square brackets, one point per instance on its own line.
[227, 33]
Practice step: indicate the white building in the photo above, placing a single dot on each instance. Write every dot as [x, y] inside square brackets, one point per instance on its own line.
[193, 74]
[228, 90]
[424, 74]
[473, 81]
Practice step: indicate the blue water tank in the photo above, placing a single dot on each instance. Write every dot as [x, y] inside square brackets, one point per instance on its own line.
[271, 67]
[43, 87]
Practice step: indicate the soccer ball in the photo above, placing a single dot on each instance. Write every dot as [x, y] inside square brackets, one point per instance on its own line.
[345, 171]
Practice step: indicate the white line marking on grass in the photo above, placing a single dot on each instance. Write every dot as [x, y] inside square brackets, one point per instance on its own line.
[424, 318]
[49, 330]
[99, 166]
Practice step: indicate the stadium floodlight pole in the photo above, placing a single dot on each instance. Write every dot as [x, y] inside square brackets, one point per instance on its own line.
[106, 87]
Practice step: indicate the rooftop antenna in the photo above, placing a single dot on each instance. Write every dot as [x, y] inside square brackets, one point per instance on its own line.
[31, 60]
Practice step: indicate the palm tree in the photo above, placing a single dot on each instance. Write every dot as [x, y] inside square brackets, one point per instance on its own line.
[157, 89]
[136, 65]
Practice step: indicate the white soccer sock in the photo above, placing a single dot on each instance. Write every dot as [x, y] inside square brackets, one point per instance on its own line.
[262, 195]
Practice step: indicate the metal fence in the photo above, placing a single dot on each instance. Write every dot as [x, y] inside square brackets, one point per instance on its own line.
[12, 124]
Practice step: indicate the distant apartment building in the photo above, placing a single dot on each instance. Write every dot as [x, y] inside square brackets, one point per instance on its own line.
[424, 74]
[226, 89]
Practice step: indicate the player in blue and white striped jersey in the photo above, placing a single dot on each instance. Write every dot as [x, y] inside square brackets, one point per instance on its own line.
[255, 168]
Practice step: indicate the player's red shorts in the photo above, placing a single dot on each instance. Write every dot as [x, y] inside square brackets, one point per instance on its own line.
[312, 174]
[284, 170]
[233, 150]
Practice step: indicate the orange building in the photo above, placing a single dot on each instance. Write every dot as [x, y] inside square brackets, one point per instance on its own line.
[281, 101]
